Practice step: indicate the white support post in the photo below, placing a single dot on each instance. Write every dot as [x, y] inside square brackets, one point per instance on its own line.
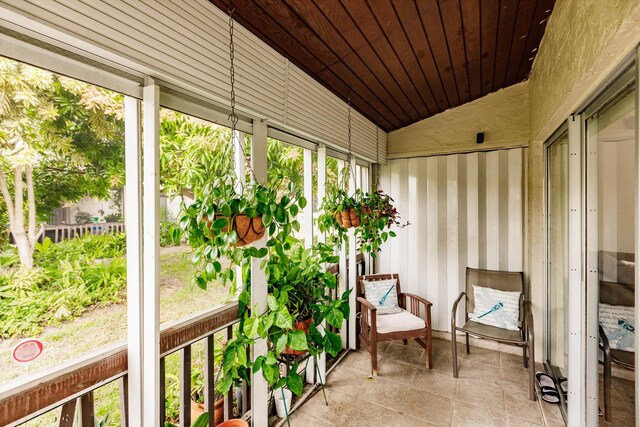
[308, 194]
[240, 167]
[637, 219]
[151, 255]
[307, 214]
[342, 268]
[353, 251]
[320, 193]
[259, 387]
[133, 221]
[576, 348]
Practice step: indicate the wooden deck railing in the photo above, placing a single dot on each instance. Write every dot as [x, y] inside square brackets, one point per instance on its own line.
[71, 385]
[64, 385]
[58, 233]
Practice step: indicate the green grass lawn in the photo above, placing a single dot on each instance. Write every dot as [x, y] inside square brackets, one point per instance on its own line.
[106, 325]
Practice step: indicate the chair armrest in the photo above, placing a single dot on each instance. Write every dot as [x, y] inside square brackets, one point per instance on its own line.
[372, 308]
[368, 321]
[414, 307]
[424, 301]
[454, 310]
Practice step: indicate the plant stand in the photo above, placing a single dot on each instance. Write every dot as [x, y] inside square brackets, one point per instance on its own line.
[288, 361]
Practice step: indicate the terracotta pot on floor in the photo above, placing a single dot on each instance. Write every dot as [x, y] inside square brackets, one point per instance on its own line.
[197, 409]
[234, 423]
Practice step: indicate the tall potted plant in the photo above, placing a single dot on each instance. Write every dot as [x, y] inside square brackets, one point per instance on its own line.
[299, 300]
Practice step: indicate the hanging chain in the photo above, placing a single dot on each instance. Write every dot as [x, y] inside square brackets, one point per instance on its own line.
[378, 186]
[233, 117]
[349, 127]
[232, 73]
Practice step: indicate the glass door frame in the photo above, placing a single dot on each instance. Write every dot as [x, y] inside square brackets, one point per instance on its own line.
[555, 138]
[557, 135]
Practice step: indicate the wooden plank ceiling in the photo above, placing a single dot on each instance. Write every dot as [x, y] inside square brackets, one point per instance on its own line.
[401, 61]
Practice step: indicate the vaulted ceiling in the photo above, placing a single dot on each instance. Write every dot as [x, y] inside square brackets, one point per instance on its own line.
[401, 61]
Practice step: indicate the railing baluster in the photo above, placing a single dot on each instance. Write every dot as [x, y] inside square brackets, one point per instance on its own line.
[163, 390]
[124, 401]
[185, 386]
[87, 410]
[209, 378]
[228, 399]
[67, 414]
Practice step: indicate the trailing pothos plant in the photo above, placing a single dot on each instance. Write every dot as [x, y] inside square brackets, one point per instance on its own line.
[223, 219]
[371, 215]
[299, 290]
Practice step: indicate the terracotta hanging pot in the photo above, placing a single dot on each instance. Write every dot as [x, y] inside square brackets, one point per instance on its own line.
[348, 218]
[247, 229]
[197, 409]
[301, 326]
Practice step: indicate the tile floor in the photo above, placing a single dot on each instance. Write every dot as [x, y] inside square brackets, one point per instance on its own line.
[491, 391]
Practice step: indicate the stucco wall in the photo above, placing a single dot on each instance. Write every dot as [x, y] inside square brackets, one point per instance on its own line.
[583, 42]
[503, 116]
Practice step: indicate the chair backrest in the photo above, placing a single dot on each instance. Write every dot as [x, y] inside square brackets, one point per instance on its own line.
[374, 277]
[501, 280]
[617, 293]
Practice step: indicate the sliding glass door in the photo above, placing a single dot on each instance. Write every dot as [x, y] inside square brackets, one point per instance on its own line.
[557, 153]
[611, 172]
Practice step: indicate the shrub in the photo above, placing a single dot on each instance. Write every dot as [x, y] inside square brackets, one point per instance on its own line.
[69, 278]
[114, 217]
[83, 218]
[170, 234]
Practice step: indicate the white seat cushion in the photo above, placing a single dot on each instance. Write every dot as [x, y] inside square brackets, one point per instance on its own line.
[403, 321]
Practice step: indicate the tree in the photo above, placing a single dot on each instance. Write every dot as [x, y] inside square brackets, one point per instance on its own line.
[60, 140]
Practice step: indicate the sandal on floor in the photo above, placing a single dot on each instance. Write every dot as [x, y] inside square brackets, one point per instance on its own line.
[548, 390]
[545, 380]
[549, 394]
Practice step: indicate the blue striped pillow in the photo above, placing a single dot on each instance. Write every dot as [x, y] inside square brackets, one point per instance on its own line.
[496, 308]
[383, 295]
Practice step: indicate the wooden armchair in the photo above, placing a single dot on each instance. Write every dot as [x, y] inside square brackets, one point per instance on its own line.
[390, 327]
[614, 294]
[503, 281]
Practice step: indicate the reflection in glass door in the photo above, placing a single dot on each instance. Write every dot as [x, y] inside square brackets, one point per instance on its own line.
[611, 189]
[557, 259]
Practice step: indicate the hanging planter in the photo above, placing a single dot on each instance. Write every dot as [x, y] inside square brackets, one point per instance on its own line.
[371, 214]
[248, 230]
[348, 218]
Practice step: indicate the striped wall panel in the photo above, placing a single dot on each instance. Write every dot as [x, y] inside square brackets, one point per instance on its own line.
[464, 210]
[185, 44]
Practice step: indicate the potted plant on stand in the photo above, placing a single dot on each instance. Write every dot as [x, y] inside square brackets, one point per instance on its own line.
[299, 300]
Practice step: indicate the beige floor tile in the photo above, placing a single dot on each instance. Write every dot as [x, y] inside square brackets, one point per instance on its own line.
[397, 370]
[476, 393]
[435, 382]
[492, 390]
[405, 354]
[465, 414]
[518, 405]
[515, 421]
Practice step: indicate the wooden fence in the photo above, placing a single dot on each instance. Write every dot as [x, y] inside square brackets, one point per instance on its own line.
[58, 233]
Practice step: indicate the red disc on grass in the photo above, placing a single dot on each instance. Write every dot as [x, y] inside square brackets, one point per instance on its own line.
[27, 350]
